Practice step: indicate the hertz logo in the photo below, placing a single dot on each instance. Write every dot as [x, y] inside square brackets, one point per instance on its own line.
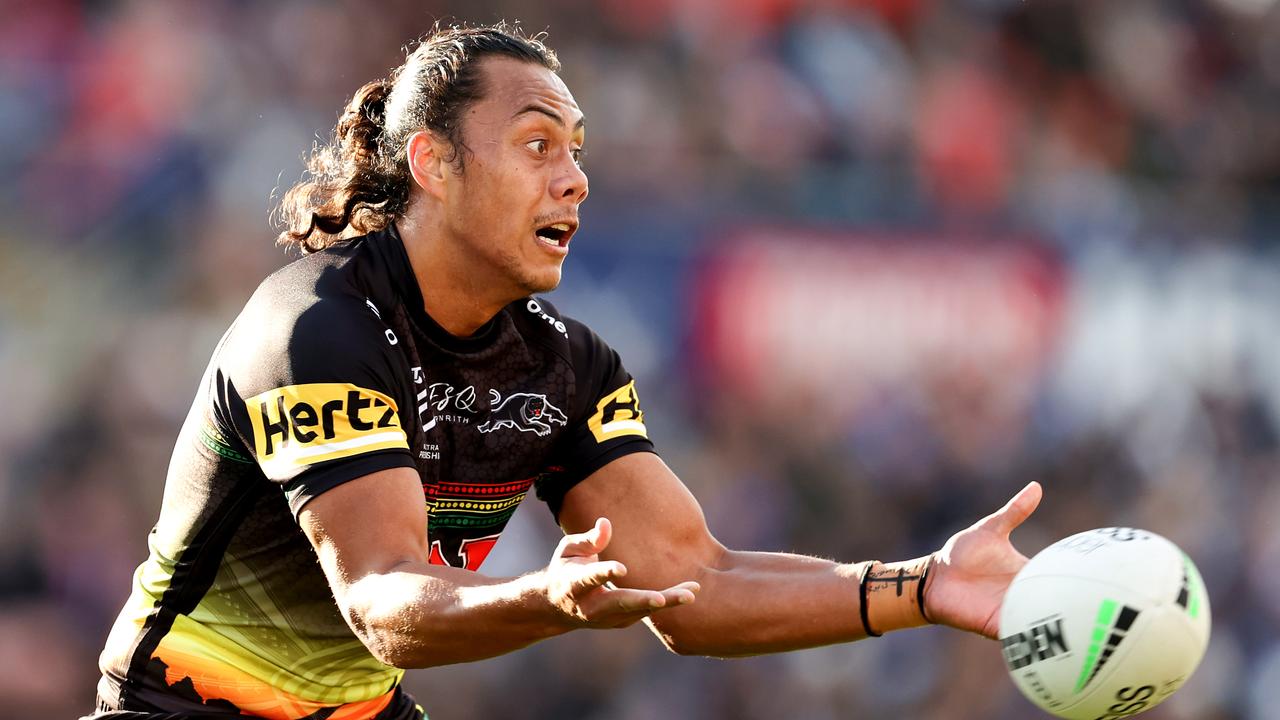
[618, 414]
[300, 425]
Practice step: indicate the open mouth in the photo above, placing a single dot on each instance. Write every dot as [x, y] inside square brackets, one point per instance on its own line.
[556, 234]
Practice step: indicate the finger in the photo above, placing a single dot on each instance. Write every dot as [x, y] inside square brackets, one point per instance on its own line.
[601, 534]
[596, 574]
[586, 543]
[682, 594]
[1017, 510]
[630, 600]
[638, 603]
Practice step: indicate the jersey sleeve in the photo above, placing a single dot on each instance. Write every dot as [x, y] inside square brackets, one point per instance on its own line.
[315, 403]
[607, 422]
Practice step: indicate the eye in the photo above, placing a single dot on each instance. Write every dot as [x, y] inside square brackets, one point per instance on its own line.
[577, 154]
[538, 146]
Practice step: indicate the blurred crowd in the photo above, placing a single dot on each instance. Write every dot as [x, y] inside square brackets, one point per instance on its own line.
[1136, 144]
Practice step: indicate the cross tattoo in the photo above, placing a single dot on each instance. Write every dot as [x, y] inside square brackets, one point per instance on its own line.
[900, 579]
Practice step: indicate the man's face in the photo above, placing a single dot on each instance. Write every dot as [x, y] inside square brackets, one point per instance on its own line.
[515, 204]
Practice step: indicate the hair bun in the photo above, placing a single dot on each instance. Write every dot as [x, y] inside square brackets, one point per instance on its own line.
[364, 119]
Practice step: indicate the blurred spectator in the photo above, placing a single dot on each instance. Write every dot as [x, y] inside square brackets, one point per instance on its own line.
[1138, 140]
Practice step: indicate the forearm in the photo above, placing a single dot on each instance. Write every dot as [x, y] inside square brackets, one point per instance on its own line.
[418, 615]
[754, 602]
[749, 602]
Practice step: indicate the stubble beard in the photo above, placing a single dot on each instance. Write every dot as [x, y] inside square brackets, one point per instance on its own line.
[527, 281]
[532, 282]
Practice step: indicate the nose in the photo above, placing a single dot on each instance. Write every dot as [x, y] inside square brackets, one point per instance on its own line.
[570, 183]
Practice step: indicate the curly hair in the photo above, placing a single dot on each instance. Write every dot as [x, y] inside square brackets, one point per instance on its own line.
[359, 182]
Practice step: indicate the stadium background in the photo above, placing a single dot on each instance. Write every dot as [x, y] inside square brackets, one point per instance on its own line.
[875, 263]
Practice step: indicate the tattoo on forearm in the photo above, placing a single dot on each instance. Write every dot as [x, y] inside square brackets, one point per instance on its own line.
[899, 578]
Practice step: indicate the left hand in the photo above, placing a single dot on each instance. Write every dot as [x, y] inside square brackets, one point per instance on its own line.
[972, 571]
[580, 584]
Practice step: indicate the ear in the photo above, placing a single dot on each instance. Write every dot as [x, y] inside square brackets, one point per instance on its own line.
[424, 152]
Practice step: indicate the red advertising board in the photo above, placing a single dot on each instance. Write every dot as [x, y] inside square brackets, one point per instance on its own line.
[780, 312]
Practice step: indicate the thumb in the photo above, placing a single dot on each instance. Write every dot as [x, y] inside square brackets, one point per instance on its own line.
[1014, 512]
[587, 543]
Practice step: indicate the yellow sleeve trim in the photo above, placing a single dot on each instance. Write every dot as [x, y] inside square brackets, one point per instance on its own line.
[618, 414]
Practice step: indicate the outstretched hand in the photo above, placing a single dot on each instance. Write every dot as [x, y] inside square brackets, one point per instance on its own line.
[972, 571]
[580, 584]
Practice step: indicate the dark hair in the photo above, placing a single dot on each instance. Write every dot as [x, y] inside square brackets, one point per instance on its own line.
[359, 182]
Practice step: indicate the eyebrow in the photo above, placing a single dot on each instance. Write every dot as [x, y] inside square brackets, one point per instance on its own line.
[582, 121]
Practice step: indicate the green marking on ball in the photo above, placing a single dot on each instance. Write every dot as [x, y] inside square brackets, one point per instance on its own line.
[1106, 612]
[1195, 586]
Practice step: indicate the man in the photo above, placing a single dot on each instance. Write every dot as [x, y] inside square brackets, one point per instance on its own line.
[384, 403]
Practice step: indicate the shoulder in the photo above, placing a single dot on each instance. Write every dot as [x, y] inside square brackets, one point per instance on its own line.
[598, 371]
[540, 321]
[307, 322]
[325, 275]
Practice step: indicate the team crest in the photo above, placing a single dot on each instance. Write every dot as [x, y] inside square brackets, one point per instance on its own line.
[526, 412]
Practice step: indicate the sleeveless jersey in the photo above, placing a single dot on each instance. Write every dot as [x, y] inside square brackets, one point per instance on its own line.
[332, 371]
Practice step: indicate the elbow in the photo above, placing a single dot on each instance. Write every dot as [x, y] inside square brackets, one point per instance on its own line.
[392, 649]
[418, 629]
[681, 637]
[390, 642]
[695, 630]
[687, 648]
[391, 653]
[680, 645]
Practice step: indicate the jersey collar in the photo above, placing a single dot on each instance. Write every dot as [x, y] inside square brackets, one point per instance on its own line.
[401, 271]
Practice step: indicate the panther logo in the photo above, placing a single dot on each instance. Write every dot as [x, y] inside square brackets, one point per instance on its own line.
[525, 412]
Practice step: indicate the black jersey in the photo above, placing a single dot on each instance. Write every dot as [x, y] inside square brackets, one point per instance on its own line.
[334, 371]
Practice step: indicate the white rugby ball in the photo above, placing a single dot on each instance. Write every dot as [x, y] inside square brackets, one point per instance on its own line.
[1104, 624]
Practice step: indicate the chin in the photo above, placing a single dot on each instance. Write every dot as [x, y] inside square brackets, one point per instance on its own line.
[543, 282]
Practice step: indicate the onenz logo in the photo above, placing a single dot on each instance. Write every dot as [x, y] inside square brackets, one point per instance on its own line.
[1039, 642]
[300, 425]
[533, 307]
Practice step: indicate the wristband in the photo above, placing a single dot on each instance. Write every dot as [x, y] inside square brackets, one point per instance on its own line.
[892, 595]
[862, 597]
[920, 587]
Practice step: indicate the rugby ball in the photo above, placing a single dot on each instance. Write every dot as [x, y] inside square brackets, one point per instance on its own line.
[1104, 624]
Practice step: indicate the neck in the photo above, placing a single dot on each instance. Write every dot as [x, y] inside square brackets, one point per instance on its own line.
[454, 294]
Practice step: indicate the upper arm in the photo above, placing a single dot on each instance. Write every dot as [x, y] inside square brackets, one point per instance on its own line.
[317, 399]
[659, 530]
[367, 527]
[605, 421]
[610, 470]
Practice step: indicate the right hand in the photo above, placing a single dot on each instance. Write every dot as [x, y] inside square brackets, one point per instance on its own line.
[580, 584]
[973, 570]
